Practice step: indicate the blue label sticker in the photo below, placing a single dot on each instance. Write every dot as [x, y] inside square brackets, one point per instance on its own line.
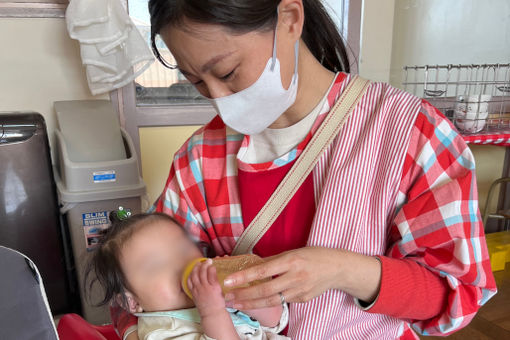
[95, 218]
[104, 176]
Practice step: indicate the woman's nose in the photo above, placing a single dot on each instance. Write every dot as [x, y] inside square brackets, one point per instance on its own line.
[218, 90]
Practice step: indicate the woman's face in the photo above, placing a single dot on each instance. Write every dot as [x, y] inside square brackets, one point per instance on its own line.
[219, 62]
[153, 261]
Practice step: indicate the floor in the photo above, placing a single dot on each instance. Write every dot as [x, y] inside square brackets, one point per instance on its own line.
[493, 319]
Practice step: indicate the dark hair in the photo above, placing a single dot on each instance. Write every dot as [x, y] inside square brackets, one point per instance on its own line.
[241, 16]
[104, 267]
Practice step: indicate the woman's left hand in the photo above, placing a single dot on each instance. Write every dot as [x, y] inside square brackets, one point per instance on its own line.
[302, 274]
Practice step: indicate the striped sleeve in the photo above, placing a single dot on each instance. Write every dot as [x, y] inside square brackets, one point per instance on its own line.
[438, 225]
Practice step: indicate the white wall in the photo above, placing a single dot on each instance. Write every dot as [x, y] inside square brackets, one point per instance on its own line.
[449, 32]
[39, 64]
[396, 33]
[376, 39]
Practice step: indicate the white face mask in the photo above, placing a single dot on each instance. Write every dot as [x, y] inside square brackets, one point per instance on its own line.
[253, 109]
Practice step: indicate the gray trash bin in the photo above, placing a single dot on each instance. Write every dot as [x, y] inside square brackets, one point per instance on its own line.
[89, 190]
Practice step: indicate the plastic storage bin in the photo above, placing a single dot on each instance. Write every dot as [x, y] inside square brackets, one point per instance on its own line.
[89, 190]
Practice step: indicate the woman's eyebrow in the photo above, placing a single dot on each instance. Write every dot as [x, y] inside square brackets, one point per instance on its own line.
[208, 65]
[213, 61]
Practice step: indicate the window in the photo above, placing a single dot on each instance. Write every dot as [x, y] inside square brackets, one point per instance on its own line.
[159, 85]
[339, 10]
[347, 16]
[160, 96]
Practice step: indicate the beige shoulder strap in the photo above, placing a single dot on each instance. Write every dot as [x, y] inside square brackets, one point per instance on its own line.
[303, 166]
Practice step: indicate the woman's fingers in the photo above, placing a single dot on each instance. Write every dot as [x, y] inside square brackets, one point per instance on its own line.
[302, 275]
[270, 301]
[259, 297]
[274, 266]
[262, 291]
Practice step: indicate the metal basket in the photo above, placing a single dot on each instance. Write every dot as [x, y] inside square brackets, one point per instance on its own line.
[475, 97]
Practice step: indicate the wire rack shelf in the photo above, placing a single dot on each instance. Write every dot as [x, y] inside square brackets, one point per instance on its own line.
[476, 98]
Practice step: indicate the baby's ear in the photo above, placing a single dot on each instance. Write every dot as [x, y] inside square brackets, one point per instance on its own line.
[130, 303]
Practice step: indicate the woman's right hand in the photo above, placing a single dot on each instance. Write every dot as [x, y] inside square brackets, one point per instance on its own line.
[304, 274]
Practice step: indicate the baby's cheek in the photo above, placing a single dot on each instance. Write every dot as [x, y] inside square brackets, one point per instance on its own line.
[167, 290]
[169, 294]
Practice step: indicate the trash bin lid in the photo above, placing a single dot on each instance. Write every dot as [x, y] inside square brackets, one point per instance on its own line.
[91, 130]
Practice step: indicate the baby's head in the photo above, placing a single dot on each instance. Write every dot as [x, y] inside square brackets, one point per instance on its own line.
[139, 262]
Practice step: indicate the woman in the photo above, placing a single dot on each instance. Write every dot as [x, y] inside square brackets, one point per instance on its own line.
[382, 236]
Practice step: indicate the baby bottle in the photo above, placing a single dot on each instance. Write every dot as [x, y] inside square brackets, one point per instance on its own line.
[224, 267]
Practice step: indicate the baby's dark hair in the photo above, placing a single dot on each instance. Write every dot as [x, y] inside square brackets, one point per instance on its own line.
[104, 268]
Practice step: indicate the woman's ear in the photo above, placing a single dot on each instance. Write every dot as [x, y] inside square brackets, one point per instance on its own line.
[129, 303]
[291, 15]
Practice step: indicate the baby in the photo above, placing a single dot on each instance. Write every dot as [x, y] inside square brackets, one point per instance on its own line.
[139, 263]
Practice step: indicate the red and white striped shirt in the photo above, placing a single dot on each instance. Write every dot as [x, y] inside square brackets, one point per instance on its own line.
[397, 182]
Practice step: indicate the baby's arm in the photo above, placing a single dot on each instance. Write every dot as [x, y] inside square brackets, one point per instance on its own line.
[267, 317]
[132, 336]
[206, 291]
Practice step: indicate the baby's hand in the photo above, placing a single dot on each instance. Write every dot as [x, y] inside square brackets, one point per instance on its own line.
[206, 290]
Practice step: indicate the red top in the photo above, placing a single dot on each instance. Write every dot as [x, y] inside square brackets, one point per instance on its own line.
[292, 227]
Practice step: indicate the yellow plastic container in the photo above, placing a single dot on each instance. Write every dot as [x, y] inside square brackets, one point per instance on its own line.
[224, 267]
[499, 249]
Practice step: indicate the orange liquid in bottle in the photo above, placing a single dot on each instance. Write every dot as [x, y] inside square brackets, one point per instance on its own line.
[224, 267]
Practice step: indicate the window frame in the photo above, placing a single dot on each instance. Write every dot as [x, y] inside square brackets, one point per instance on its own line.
[353, 32]
[133, 117]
